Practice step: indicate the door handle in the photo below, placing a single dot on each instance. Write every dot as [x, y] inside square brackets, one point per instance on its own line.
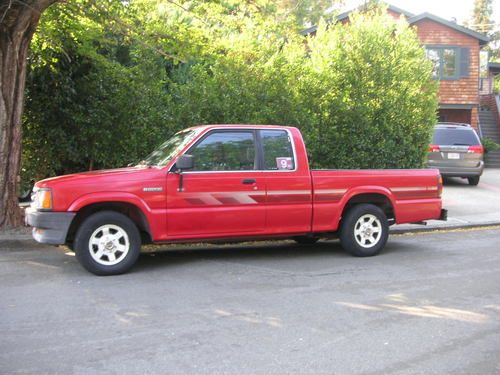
[249, 181]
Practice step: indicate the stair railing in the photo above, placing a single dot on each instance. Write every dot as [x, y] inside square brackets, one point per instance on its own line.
[479, 125]
[496, 114]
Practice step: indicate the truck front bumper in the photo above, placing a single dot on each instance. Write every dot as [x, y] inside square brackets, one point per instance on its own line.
[49, 227]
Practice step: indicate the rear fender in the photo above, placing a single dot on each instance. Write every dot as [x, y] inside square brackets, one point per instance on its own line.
[359, 190]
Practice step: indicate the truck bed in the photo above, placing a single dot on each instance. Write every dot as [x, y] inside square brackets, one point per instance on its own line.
[413, 193]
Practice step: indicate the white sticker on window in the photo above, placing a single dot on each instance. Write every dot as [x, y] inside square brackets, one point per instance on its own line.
[284, 163]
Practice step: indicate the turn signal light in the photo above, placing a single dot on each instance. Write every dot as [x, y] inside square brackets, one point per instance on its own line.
[434, 148]
[44, 199]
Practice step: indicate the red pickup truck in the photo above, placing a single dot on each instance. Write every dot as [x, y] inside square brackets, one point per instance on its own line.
[229, 182]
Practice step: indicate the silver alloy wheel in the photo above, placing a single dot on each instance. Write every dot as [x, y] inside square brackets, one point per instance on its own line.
[109, 244]
[368, 231]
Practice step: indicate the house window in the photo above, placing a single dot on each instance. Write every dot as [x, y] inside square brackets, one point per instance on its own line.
[445, 60]
[433, 55]
[449, 63]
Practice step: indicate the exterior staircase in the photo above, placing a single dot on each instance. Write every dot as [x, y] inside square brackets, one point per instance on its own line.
[489, 129]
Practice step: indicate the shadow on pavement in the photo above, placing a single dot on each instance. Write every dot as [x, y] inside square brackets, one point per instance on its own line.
[457, 181]
[164, 256]
[35, 258]
[268, 251]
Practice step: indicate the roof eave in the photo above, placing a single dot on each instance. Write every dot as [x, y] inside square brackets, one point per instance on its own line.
[309, 30]
[483, 39]
[345, 15]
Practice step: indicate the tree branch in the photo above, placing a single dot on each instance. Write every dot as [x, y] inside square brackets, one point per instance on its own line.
[188, 11]
[15, 7]
[6, 11]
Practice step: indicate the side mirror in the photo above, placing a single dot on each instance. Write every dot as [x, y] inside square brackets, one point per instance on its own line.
[184, 162]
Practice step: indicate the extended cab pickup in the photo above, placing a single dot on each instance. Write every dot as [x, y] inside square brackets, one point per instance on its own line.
[226, 182]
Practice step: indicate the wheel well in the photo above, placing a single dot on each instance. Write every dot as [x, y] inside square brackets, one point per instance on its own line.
[129, 210]
[379, 200]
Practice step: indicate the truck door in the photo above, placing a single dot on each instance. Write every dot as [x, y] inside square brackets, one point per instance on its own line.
[224, 194]
[288, 183]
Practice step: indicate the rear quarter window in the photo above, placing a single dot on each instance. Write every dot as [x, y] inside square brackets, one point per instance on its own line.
[278, 152]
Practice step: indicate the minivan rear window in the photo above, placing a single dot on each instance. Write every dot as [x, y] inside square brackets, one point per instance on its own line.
[455, 137]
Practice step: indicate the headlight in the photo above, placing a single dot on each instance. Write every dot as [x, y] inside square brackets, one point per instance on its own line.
[42, 199]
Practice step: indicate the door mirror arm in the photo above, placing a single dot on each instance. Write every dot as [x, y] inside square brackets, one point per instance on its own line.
[184, 162]
[181, 180]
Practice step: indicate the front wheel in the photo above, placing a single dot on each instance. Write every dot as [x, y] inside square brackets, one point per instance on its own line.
[364, 230]
[107, 243]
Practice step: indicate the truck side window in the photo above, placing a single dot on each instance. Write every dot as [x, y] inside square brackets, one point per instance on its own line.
[225, 151]
[278, 152]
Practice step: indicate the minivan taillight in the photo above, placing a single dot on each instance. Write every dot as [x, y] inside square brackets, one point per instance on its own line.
[434, 148]
[440, 186]
[476, 149]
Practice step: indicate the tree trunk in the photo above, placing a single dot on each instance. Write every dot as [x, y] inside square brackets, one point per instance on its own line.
[18, 21]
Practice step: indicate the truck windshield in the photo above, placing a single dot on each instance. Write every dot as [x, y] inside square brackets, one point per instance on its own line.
[163, 154]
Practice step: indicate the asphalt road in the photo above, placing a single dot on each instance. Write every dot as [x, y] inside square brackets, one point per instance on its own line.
[429, 304]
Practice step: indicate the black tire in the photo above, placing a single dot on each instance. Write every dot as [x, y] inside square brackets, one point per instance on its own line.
[117, 224]
[305, 240]
[352, 222]
[473, 180]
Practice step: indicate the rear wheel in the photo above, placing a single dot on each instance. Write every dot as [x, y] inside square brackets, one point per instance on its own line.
[364, 230]
[107, 243]
[473, 180]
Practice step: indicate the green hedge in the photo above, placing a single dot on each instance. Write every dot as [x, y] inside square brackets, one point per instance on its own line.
[362, 95]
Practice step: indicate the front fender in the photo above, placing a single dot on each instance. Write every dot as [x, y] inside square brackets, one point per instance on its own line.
[109, 197]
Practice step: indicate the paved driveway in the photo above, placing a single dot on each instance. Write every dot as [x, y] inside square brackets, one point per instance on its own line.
[474, 203]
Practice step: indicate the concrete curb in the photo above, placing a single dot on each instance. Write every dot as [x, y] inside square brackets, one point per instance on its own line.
[15, 237]
[437, 228]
